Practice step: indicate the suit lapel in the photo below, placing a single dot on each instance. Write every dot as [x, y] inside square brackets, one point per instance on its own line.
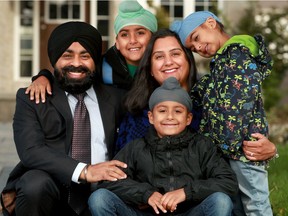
[60, 101]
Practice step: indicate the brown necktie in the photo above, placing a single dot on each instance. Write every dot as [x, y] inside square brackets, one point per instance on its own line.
[81, 141]
[81, 151]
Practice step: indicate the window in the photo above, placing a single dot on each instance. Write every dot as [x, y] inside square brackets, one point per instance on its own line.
[205, 5]
[61, 11]
[26, 38]
[103, 22]
[176, 11]
[174, 8]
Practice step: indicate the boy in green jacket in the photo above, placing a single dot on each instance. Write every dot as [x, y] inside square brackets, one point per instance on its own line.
[231, 99]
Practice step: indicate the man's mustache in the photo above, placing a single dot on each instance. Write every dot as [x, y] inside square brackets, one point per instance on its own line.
[80, 69]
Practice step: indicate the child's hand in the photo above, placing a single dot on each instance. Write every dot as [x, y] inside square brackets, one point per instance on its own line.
[37, 89]
[155, 202]
[170, 200]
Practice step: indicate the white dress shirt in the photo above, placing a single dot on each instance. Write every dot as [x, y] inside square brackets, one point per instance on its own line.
[99, 152]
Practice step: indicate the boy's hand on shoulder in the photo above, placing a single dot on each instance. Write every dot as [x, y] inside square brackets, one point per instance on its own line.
[171, 199]
[37, 89]
[155, 202]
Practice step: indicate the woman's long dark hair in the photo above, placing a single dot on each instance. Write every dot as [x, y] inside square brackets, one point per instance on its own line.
[144, 83]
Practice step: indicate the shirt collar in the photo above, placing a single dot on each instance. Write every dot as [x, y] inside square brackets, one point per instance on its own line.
[90, 93]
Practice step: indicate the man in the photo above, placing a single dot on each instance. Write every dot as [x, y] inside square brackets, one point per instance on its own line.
[49, 180]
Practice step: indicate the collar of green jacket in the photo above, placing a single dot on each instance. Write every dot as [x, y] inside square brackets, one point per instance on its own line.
[244, 40]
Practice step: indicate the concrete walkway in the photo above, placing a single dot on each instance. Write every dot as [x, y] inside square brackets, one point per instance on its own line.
[8, 154]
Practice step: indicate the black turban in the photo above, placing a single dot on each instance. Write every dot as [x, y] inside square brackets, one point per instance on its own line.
[65, 34]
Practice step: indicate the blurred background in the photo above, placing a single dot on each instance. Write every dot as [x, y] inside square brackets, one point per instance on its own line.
[26, 25]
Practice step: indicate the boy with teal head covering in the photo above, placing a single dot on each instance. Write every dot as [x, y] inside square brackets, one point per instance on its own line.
[133, 27]
[231, 99]
[132, 13]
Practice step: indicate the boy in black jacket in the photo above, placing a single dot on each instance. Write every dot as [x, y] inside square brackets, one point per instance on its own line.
[172, 169]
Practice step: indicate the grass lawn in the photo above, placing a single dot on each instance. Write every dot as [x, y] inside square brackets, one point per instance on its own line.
[278, 182]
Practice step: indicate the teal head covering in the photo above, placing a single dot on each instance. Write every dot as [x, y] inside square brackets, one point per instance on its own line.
[170, 90]
[132, 13]
[190, 23]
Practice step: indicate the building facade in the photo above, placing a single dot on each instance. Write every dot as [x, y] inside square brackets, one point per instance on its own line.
[26, 26]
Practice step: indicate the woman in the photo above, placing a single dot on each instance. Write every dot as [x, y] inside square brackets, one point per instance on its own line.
[172, 59]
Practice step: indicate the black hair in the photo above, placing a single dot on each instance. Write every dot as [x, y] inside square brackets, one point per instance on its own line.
[144, 83]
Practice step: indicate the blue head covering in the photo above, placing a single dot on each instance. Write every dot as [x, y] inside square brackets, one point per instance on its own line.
[190, 23]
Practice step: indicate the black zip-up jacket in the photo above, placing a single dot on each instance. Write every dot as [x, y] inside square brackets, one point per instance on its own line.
[188, 160]
[120, 74]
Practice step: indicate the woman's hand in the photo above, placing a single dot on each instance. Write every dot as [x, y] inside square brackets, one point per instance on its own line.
[38, 89]
[262, 149]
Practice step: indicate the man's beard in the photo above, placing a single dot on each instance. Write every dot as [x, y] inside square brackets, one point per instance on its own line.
[71, 85]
